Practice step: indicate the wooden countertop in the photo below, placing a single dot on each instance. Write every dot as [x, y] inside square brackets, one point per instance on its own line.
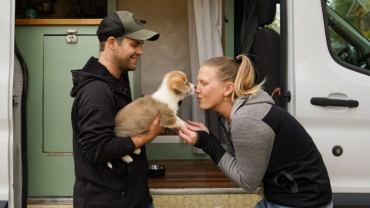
[189, 174]
[57, 21]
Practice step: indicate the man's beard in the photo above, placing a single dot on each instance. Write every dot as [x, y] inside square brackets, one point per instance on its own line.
[123, 63]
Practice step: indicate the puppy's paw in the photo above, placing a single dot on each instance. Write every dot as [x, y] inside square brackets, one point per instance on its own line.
[127, 159]
[110, 165]
[181, 123]
[137, 151]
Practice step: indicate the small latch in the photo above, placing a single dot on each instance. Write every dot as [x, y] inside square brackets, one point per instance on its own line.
[59, 153]
[71, 36]
[15, 100]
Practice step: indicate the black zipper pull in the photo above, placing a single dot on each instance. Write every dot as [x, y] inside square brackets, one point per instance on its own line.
[123, 194]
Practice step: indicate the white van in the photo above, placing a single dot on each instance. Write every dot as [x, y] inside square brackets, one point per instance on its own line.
[318, 60]
[7, 11]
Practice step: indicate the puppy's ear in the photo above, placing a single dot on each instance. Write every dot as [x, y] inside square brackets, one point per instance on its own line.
[178, 86]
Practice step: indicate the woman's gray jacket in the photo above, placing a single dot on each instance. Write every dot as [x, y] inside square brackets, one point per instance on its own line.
[267, 144]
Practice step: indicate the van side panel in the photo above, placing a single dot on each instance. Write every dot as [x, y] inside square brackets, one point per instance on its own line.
[317, 75]
[6, 81]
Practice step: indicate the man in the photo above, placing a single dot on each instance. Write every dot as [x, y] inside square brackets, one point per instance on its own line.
[100, 90]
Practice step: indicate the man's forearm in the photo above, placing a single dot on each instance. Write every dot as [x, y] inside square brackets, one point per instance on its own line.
[143, 139]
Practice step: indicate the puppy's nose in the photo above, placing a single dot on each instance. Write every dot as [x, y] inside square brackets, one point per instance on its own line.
[195, 87]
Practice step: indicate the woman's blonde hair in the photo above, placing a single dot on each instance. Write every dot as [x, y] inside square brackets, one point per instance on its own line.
[240, 71]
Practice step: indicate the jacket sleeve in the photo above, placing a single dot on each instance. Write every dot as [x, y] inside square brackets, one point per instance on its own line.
[210, 145]
[253, 141]
[96, 122]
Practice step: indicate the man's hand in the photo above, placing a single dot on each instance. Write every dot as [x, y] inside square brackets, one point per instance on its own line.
[155, 128]
[147, 137]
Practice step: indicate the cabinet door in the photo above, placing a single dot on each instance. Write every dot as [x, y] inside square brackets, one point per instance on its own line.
[60, 58]
[49, 60]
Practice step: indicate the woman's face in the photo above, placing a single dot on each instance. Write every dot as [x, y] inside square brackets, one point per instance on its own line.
[210, 90]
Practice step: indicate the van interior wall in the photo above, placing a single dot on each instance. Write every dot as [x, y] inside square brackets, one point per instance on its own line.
[171, 51]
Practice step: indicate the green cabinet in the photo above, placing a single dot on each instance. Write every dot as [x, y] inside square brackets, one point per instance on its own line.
[59, 58]
[50, 58]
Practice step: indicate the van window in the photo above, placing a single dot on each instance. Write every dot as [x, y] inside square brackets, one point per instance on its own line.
[349, 31]
[275, 25]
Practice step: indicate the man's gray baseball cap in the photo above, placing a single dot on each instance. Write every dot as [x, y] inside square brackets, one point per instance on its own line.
[124, 23]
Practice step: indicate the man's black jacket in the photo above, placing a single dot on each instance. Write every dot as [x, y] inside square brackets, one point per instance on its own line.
[98, 96]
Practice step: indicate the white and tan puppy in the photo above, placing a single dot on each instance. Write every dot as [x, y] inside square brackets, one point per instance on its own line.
[136, 117]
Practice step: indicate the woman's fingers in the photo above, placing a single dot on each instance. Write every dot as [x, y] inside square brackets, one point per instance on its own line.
[186, 132]
[197, 126]
[191, 127]
[183, 136]
[195, 123]
[187, 135]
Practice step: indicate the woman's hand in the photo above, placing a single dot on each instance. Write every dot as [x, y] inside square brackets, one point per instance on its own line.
[196, 126]
[188, 133]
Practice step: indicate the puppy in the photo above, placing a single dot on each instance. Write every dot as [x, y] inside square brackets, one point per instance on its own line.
[136, 118]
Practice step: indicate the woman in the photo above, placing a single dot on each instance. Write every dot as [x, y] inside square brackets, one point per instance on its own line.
[265, 143]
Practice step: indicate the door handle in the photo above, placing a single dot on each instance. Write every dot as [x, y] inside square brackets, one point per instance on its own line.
[322, 101]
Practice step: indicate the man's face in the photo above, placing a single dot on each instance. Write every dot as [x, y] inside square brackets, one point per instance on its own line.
[126, 55]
